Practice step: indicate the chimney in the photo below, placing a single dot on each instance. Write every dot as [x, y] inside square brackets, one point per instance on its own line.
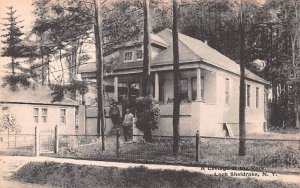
[205, 42]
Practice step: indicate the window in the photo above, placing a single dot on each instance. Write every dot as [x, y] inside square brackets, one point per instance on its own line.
[139, 54]
[248, 95]
[194, 88]
[128, 56]
[226, 91]
[257, 97]
[184, 89]
[202, 87]
[44, 115]
[63, 116]
[5, 110]
[36, 115]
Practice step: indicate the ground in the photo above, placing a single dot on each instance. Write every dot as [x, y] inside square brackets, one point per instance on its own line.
[75, 170]
[8, 167]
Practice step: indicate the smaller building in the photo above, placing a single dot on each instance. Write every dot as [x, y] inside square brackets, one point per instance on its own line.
[33, 108]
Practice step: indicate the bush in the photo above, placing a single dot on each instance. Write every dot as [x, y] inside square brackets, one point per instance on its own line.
[284, 157]
[147, 116]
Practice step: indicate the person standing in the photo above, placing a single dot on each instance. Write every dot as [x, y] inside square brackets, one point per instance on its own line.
[127, 124]
[114, 113]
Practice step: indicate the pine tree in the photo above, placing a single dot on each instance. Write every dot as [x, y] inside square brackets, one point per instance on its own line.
[12, 37]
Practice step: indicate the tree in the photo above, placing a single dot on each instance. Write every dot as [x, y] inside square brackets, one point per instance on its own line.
[176, 77]
[295, 72]
[99, 65]
[8, 123]
[242, 106]
[147, 51]
[12, 37]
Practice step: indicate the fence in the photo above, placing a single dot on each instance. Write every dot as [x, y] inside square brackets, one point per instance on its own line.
[202, 150]
[222, 151]
[17, 144]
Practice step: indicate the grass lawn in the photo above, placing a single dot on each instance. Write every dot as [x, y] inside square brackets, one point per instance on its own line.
[18, 151]
[69, 175]
[272, 155]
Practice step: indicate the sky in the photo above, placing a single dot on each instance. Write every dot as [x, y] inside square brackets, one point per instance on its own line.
[24, 11]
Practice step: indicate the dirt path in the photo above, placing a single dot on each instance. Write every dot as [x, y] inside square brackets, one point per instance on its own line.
[17, 161]
[7, 166]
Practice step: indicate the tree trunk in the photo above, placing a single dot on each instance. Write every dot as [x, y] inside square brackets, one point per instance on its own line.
[296, 108]
[13, 65]
[99, 64]
[242, 129]
[62, 68]
[147, 53]
[176, 76]
[148, 134]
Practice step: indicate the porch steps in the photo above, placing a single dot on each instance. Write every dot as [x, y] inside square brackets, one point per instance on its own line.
[229, 130]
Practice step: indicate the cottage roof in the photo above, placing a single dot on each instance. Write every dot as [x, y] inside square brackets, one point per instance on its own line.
[190, 50]
[40, 95]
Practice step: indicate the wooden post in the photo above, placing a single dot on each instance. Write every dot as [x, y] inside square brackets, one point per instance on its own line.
[156, 87]
[197, 146]
[198, 96]
[118, 143]
[116, 88]
[37, 142]
[56, 139]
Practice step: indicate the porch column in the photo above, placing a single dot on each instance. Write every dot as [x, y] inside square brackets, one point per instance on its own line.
[140, 86]
[198, 84]
[156, 88]
[116, 88]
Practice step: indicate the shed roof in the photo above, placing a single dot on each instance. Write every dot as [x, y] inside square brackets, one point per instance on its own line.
[40, 95]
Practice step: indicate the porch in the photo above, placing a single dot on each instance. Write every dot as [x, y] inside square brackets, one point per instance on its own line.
[198, 98]
[196, 85]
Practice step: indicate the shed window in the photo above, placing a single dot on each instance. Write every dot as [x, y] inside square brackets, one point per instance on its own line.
[128, 56]
[5, 109]
[36, 115]
[139, 54]
[63, 116]
[44, 114]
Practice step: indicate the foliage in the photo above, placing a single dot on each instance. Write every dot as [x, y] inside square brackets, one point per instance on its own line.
[91, 176]
[12, 37]
[284, 157]
[8, 123]
[147, 116]
[16, 81]
[59, 91]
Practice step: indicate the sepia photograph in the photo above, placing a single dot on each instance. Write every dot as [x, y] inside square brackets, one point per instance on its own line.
[149, 93]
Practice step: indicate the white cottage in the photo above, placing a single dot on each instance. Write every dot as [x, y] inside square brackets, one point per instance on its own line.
[209, 85]
[33, 108]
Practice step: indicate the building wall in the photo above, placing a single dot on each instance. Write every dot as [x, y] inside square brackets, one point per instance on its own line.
[91, 125]
[24, 118]
[209, 115]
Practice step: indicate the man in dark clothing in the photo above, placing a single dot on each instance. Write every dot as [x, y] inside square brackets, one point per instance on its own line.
[114, 113]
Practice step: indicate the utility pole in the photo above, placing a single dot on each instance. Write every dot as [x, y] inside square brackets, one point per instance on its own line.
[242, 129]
[99, 65]
[176, 75]
[147, 51]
